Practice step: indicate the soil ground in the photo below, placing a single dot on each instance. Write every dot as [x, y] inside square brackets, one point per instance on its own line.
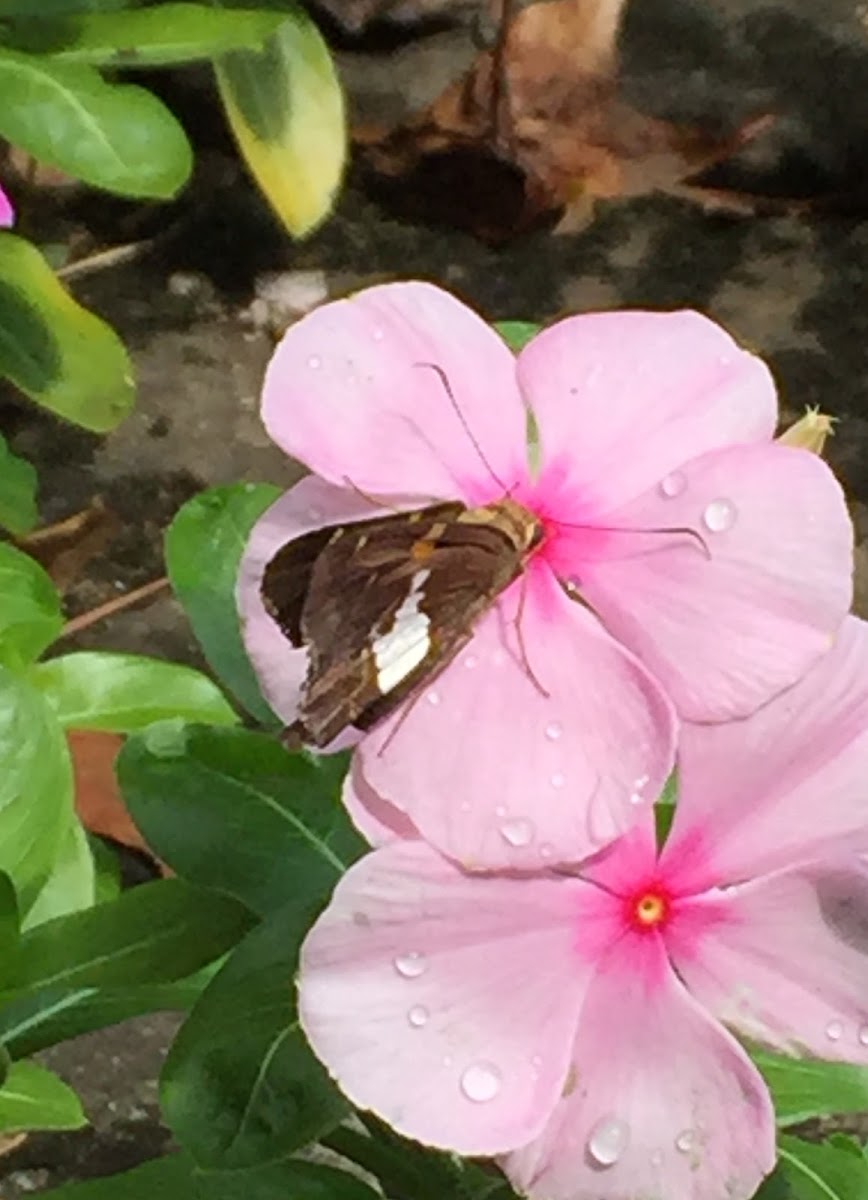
[792, 287]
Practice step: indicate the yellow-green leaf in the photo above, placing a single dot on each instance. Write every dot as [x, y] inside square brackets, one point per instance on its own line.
[286, 109]
[58, 353]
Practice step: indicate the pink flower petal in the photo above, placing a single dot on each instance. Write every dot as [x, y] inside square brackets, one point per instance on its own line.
[378, 821]
[726, 631]
[345, 393]
[494, 773]
[662, 1101]
[784, 959]
[622, 399]
[445, 1003]
[311, 504]
[7, 212]
[793, 774]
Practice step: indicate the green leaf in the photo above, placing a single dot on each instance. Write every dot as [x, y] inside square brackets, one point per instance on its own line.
[151, 37]
[177, 1178]
[817, 1171]
[36, 787]
[32, 1021]
[55, 351]
[805, 1088]
[107, 870]
[204, 544]
[157, 932]
[235, 810]
[404, 1168]
[57, 8]
[72, 883]
[169, 1178]
[240, 1085]
[517, 334]
[32, 1097]
[286, 109]
[282, 1181]
[124, 692]
[30, 616]
[17, 492]
[114, 136]
[9, 922]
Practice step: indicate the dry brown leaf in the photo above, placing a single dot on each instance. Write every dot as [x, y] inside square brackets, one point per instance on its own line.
[542, 106]
[98, 799]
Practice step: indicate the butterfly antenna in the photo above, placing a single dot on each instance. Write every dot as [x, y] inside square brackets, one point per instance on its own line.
[522, 647]
[684, 530]
[461, 417]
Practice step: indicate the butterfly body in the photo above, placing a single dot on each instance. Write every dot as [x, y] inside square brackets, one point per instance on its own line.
[382, 605]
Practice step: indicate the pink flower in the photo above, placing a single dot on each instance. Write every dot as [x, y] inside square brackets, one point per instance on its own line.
[714, 565]
[7, 212]
[578, 1026]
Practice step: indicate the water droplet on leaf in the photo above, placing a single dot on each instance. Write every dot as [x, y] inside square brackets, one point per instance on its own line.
[608, 1140]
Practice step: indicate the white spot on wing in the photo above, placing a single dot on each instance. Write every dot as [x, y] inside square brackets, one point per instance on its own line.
[403, 646]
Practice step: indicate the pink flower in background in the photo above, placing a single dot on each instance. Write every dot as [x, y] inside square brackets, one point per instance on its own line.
[577, 1027]
[7, 212]
[714, 565]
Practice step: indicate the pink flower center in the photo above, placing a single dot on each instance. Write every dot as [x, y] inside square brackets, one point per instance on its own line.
[648, 909]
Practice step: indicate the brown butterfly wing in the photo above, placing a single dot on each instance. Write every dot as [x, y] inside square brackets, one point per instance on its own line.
[340, 596]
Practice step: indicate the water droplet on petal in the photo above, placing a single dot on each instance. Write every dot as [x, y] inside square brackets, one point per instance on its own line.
[418, 1016]
[536, 1061]
[498, 658]
[719, 516]
[519, 832]
[378, 335]
[481, 1082]
[546, 850]
[685, 1141]
[835, 1031]
[411, 965]
[470, 661]
[433, 698]
[608, 1140]
[657, 1158]
[447, 1060]
[500, 811]
[315, 514]
[673, 485]
[465, 806]
[314, 362]
[557, 780]
[554, 730]
[641, 783]
[863, 1036]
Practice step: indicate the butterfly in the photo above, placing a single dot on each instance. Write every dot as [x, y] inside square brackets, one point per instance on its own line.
[383, 605]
